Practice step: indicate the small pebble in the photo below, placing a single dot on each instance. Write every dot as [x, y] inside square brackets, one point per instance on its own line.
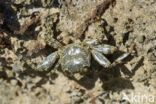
[141, 38]
[13, 82]
[151, 57]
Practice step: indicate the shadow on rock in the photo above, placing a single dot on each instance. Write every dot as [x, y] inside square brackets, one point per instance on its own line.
[118, 84]
[111, 79]
[9, 15]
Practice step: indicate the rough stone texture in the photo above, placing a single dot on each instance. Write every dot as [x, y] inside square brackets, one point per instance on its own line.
[129, 24]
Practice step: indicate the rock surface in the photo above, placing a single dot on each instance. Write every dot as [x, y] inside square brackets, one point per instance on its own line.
[32, 29]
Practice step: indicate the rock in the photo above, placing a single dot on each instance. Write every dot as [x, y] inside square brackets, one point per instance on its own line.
[141, 38]
[151, 57]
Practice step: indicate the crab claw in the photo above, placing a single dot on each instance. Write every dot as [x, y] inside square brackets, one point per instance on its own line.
[48, 62]
[101, 59]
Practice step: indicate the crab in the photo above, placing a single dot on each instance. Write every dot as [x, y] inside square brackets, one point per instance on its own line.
[76, 57]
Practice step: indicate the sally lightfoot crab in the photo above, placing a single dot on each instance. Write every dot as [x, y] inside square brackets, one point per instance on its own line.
[76, 57]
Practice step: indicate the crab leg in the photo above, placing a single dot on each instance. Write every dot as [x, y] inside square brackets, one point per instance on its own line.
[101, 59]
[120, 59]
[105, 49]
[92, 42]
[48, 62]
